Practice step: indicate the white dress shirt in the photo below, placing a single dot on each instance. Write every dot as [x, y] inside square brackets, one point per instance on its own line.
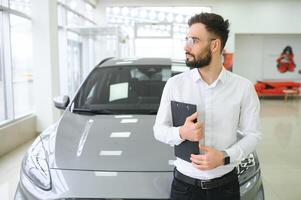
[227, 107]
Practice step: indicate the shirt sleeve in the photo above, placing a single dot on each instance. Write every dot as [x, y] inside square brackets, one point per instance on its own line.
[248, 126]
[163, 129]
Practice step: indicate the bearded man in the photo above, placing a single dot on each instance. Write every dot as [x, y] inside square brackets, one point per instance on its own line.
[227, 104]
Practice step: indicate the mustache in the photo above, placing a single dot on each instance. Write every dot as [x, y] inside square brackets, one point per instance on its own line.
[186, 53]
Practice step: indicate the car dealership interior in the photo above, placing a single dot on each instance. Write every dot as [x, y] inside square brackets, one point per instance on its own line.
[49, 47]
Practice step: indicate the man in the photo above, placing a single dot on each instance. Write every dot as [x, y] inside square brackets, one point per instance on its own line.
[227, 104]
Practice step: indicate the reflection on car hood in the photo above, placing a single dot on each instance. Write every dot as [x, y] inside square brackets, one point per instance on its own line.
[85, 142]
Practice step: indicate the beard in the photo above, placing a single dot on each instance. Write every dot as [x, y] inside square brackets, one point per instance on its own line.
[200, 61]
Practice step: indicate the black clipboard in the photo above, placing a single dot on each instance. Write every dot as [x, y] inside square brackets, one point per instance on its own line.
[180, 111]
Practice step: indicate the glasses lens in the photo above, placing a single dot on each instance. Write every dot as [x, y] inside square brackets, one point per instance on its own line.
[189, 42]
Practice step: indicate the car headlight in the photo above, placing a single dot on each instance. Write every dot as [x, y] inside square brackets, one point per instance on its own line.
[248, 167]
[248, 172]
[35, 165]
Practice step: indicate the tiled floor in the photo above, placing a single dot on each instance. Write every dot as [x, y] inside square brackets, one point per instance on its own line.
[9, 171]
[279, 153]
[280, 149]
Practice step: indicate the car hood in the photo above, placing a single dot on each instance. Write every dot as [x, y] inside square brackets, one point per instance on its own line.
[90, 142]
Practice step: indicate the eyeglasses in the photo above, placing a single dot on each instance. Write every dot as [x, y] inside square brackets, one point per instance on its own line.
[191, 41]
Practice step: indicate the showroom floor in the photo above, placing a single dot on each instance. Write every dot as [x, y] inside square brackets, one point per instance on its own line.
[279, 153]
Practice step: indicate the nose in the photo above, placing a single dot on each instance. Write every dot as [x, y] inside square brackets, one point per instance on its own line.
[187, 48]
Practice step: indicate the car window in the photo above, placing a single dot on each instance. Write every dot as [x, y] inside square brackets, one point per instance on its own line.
[124, 89]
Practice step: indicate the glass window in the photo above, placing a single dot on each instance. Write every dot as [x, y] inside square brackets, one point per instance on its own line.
[72, 19]
[2, 103]
[79, 13]
[149, 47]
[2, 110]
[61, 15]
[2, 114]
[74, 4]
[153, 30]
[82, 7]
[75, 48]
[23, 6]
[74, 66]
[149, 26]
[89, 11]
[21, 44]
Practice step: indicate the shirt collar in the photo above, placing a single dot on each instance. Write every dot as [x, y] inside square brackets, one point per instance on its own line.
[223, 75]
[196, 76]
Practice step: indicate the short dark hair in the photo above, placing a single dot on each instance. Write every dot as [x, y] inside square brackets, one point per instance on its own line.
[214, 23]
[288, 49]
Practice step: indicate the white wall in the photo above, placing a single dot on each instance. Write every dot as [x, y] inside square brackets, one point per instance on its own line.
[261, 17]
[248, 57]
[256, 54]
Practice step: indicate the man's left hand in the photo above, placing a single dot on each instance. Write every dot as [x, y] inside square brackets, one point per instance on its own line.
[211, 158]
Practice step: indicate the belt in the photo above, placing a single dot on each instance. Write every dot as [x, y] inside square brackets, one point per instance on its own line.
[207, 184]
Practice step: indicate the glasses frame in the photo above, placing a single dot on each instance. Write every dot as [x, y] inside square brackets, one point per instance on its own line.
[191, 41]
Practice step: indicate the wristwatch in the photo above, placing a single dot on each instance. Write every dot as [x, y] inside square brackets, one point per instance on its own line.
[226, 158]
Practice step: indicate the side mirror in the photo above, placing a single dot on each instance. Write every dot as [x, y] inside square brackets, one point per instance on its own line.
[61, 102]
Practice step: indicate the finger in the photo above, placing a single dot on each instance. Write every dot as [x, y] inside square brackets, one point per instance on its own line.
[192, 117]
[197, 129]
[198, 162]
[198, 135]
[203, 148]
[199, 125]
[202, 158]
[200, 167]
[197, 156]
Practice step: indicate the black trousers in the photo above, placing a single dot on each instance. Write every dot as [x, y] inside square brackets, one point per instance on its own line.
[184, 191]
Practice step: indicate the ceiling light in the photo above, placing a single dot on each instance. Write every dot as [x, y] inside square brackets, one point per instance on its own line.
[170, 17]
[116, 10]
[152, 15]
[143, 14]
[125, 11]
[134, 12]
[179, 18]
[161, 16]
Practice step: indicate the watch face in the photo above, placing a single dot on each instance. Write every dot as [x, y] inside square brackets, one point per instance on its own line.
[227, 160]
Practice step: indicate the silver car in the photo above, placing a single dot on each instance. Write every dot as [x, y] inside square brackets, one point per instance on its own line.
[103, 146]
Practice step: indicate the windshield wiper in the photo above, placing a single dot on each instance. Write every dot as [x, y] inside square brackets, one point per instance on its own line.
[92, 111]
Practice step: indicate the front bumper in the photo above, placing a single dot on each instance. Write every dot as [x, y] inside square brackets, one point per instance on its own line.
[72, 184]
[253, 188]
[95, 184]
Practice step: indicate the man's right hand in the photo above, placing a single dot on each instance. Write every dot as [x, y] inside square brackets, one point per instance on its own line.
[190, 130]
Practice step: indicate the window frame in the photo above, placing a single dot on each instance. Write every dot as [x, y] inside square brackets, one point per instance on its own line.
[6, 62]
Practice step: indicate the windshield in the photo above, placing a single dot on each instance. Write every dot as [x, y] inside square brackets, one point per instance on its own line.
[123, 90]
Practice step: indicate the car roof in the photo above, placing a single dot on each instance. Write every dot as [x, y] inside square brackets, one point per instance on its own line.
[137, 61]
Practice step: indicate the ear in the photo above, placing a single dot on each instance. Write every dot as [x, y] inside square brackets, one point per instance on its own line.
[216, 45]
